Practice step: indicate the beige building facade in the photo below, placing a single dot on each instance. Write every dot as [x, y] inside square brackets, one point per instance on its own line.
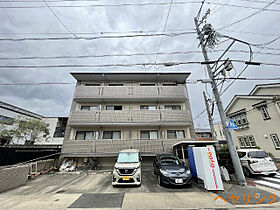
[257, 116]
[115, 111]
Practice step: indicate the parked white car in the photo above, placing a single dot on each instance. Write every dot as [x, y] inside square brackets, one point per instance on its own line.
[256, 161]
[127, 170]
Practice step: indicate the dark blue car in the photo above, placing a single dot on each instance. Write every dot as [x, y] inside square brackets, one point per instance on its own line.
[170, 170]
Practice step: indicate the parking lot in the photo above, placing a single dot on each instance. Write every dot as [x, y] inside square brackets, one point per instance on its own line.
[62, 191]
[92, 183]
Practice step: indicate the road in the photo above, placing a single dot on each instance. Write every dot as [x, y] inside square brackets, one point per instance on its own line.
[271, 182]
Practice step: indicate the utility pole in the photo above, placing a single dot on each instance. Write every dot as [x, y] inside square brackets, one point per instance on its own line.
[235, 159]
[209, 117]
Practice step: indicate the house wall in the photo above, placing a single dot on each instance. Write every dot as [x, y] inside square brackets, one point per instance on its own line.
[258, 127]
[268, 90]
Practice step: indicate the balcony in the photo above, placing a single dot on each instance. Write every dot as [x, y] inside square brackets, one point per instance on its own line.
[130, 93]
[129, 117]
[102, 147]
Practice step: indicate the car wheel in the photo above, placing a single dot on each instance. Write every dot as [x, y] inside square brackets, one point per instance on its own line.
[246, 172]
[159, 180]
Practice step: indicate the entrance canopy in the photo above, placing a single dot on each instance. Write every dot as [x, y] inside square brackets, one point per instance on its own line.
[193, 143]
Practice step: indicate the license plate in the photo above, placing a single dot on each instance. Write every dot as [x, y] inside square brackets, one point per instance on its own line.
[126, 178]
[178, 181]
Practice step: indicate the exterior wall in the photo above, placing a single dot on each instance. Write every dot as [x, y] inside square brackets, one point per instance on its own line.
[13, 177]
[258, 127]
[219, 132]
[130, 120]
[268, 90]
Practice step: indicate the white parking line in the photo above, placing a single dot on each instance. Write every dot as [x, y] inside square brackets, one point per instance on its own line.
[268, 184]
[271, 179]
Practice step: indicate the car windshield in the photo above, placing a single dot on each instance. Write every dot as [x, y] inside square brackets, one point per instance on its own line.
[128, 157]
[258, 154]
[170, 161]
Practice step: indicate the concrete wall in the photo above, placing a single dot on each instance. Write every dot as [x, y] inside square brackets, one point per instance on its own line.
[13, 177]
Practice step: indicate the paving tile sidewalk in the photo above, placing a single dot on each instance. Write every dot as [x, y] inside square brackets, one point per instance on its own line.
[247, 195]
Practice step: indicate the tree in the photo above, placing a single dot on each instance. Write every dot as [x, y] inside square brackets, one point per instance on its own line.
[29, 130]
[5, 132]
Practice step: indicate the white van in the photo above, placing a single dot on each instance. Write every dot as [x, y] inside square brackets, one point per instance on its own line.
[255, 161]
[127, 170]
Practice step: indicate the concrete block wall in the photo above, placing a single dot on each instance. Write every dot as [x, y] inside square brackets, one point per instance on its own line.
[13, 177]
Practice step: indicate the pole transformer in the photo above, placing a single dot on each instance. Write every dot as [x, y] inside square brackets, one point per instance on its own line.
[235, 159]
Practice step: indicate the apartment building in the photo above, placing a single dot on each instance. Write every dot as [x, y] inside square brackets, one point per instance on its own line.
[115, 111]
[257, 116]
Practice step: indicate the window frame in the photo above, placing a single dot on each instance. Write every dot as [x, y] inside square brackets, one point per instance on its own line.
[92, 84]
[149, 134]
[172, 107]
[247, 141]
[275, 135]
[141, 107]
[176, 134]
[89, 106]
[264, 111]
[114, 107]
[112, 135]
[84, 137]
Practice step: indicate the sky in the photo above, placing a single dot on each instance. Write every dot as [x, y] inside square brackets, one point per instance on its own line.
[109, 20]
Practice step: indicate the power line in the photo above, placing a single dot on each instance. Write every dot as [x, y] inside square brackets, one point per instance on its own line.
[121, 55]
[164, 28]
[166, 64]
[60, 20]
[249, 16]
[129, 32]
[137, 4]
[93, 38]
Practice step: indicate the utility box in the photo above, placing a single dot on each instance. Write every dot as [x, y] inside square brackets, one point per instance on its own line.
[204, 166]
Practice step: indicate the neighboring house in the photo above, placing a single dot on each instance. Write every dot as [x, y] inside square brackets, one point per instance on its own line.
[219, 134]
[56, 127]
[115, 111]
[257, 116]
[203, 134]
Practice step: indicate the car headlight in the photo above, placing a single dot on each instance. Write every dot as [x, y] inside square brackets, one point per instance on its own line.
[163, 172]
[188, 172]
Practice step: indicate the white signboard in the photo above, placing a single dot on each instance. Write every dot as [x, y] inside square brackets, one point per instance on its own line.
[207, 167]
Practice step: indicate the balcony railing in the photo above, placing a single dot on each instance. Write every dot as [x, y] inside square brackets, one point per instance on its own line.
[105, 147]
[129, 93]
[156, 117]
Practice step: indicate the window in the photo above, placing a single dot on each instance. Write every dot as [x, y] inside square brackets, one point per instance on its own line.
[172, 107]
[111, 135]
[147, 84]
[240, 119]
[92, 84]
[115, 84]
[6, 120]
[171, 84]
[179, 134]
[264, 112]
[84, 135]
[247, 141]
[89, 107]
[241, 142]
[112, 107]
[148, 134]
[275, 140]
[241, 154]
[148, 107]
[257, 154]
